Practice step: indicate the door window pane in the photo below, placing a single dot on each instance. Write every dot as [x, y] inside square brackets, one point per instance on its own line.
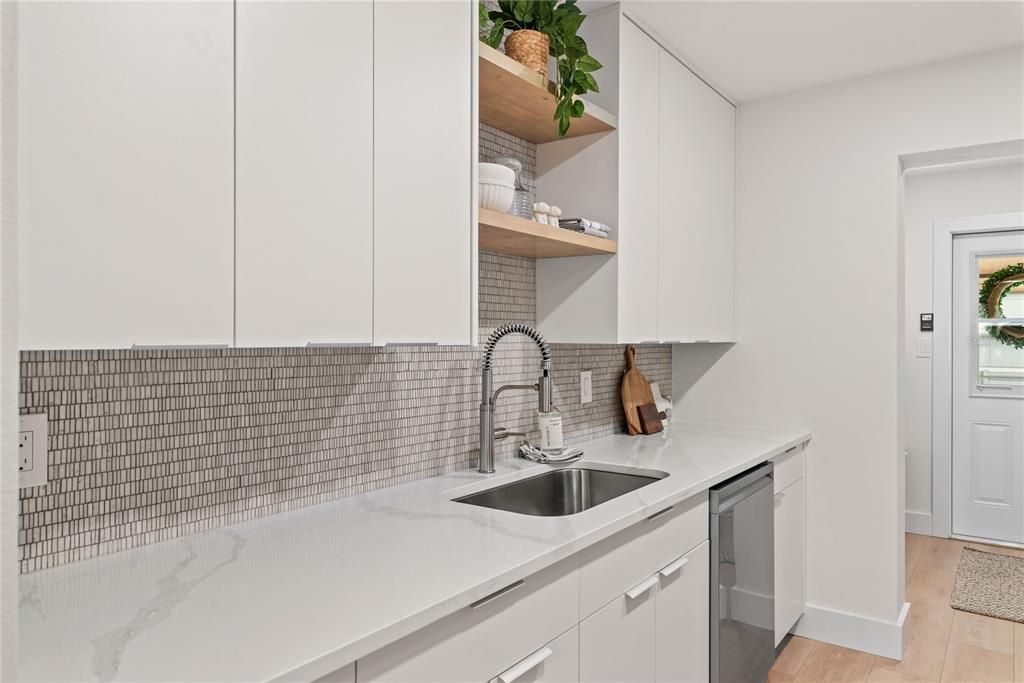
[1000, 360]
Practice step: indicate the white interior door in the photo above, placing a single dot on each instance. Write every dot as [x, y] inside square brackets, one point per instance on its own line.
[988, 387]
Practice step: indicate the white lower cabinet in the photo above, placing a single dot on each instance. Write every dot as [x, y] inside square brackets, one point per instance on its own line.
[682, 610]
[617, 643]
[657, 631]
[481, 641]
[789, 558]
[790, 540]
[556, 662]
[633, 607]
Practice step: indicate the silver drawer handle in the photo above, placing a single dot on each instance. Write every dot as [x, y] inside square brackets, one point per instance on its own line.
[497, 594]
[674, 567]
[642, 588]
[515, 672]
[656, 515]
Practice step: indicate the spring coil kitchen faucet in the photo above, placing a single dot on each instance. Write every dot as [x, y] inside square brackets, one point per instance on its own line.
[488, 400]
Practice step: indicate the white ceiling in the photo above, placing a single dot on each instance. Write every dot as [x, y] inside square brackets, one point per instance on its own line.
[752, 49]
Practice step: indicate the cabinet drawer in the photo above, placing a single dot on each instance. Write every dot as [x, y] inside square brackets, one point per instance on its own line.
[476, 642]
[616, 564]
[617, 643]
[556, 662]
[789, 467]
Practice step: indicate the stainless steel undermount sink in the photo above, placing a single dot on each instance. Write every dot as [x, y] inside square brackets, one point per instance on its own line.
[565, 491]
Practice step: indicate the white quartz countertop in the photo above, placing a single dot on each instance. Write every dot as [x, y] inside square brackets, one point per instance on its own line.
[296, 595]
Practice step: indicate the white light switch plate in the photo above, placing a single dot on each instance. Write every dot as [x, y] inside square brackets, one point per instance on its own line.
[586, 386]
[32, 463]
[924, 347]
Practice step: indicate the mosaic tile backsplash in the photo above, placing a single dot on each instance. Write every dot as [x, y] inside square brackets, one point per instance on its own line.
[149, 445]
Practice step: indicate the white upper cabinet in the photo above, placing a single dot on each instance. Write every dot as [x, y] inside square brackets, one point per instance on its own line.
[673, 199]
[304, 182]
[424, 137]
[696, 180]
[638, 292]
[125, 174]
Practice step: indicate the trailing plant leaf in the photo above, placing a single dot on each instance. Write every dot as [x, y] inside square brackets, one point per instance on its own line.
[560, 21]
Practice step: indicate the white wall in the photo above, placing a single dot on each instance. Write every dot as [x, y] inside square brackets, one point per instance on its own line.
[946, 192]
[818, 282]
[8, 351]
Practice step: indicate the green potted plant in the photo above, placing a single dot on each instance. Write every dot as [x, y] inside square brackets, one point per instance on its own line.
[540, 28]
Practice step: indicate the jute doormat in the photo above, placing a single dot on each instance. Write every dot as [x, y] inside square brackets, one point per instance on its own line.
[989, 584]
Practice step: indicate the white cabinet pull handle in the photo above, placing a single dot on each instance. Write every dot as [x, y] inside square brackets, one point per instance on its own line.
[497, 594]
[674, 567]
[642, 588]
[516, 671]
[658, 514]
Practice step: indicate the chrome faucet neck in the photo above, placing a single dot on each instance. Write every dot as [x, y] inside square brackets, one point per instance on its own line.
[543, 387]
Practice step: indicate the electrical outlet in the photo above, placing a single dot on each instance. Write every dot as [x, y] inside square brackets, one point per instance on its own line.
[586, 386]
[25, 459]
[32, 463]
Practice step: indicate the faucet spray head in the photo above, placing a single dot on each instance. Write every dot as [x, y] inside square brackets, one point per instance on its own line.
[544, 399]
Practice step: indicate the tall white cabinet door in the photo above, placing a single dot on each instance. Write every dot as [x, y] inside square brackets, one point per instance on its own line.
[617, 643]
[683, 619]
[696, 198]
[424, 152]
[789, 558]
[304, 159]
[125, 173]
[638, 185]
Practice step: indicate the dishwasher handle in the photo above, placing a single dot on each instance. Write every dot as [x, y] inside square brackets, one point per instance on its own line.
[730, 492]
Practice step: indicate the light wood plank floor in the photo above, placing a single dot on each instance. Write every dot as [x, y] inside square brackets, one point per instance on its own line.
[944, 644]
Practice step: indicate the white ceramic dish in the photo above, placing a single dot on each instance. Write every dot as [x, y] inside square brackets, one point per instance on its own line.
[496, 196]
[496, 173]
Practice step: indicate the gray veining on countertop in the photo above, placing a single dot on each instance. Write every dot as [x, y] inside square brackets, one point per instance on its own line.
[297, 595]
[173, 588]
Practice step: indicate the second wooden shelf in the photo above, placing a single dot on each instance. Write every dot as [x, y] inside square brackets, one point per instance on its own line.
[505, 234]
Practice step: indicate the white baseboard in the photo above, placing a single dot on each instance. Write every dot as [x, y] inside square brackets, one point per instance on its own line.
[919, 523]
[854, 631]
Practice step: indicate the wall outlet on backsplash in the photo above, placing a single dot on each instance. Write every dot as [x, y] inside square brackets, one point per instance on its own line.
[586, 386]
[32, 463]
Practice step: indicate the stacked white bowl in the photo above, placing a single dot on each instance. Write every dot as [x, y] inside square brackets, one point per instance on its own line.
[497, 187]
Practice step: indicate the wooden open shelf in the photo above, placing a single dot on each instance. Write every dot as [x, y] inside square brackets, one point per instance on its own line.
[505, 234]
[519, 101]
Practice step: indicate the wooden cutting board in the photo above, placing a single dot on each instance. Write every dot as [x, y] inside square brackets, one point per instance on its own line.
[636, 391]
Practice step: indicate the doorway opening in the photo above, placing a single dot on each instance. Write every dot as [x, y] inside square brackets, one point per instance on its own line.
[962, 192]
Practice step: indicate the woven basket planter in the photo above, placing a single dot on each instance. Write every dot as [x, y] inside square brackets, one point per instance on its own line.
[529, 48]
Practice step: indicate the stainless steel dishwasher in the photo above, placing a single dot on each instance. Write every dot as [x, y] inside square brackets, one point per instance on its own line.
[743, 577]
